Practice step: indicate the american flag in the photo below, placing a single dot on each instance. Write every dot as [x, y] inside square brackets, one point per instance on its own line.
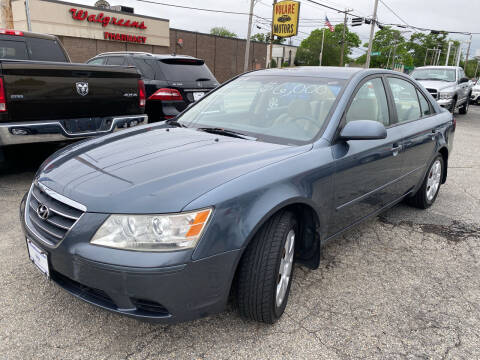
[327, 23]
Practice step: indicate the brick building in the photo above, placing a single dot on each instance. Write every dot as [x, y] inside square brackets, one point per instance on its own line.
[86, 31]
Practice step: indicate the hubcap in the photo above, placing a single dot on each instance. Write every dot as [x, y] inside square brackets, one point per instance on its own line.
[285, 270]
[433, 179]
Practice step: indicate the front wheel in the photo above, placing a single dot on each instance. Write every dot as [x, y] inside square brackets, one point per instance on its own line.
[452, 107]
[426, 195]
[265, 272]
[464, 108]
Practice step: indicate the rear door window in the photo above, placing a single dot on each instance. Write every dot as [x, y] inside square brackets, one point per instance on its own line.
[10, 49]
[185, 70]
[45, 50]
[424, 104]
[406, 100]
[97, 61]
[117, 60]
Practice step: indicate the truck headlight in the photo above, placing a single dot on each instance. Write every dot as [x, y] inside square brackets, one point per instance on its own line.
[152, 232]
[446, 95]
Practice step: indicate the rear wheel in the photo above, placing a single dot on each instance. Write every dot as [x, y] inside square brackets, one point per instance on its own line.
[426, 195]
[464, 108]
[265, 272]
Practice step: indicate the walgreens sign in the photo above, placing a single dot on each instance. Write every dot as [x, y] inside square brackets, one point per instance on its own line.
[83, 15]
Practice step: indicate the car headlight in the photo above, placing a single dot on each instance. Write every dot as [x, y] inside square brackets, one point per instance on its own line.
[446, 95]
[152, 232]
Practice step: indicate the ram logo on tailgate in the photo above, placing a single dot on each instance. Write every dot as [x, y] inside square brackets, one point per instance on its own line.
[82, 88]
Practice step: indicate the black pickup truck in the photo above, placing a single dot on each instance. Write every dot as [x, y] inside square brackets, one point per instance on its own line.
[44, 97]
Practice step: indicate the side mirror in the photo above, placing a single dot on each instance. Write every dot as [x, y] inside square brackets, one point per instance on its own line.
[463, 80]
[363, 130]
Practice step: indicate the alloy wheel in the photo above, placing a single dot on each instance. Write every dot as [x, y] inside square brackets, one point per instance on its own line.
[285, 269]
[433, 179]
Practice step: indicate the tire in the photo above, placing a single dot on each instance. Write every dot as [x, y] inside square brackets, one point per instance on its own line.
[427, 194]
[464, 108]
[259, 276]
[452, 107]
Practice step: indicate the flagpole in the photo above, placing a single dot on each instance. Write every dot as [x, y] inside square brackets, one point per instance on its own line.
[321, 50]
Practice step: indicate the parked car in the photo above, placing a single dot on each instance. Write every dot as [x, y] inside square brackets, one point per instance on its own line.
[447, 84]
[163, 222]
[45, 98]
[172, 82]
[475, 92]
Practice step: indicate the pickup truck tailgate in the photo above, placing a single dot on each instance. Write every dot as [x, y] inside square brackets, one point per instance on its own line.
[50, 91]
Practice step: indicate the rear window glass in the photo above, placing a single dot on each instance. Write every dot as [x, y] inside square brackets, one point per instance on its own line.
[147, 68]
[185, 70]
[13, 50]
[45, 50]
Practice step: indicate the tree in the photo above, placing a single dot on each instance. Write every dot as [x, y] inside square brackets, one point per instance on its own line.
[221, 31]
[265, 38]
[309, 50]
[420, 42]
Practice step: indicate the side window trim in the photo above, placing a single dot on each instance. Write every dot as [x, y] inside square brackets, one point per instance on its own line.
[357, 88]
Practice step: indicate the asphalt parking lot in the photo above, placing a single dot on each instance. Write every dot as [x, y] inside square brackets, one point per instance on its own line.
[403, 285]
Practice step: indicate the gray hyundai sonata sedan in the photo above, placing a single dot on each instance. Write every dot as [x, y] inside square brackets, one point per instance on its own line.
[163, 222]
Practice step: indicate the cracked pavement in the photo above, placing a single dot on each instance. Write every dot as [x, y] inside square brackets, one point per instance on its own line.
[405, 284]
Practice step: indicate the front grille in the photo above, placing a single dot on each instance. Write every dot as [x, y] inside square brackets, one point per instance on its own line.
[61, 216]
[433, 92]
[150, 307]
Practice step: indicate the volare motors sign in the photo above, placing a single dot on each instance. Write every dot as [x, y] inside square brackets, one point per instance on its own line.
[104, 21]
[285, 18]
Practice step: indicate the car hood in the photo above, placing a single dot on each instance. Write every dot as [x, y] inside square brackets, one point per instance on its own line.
[476, 88]
[437, 85]
[153, 169]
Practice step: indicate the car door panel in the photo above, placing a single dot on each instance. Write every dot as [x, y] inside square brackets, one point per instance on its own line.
[368, 173]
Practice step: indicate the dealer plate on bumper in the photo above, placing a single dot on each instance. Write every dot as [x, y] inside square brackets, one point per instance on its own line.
[38, 257]
[198, 95]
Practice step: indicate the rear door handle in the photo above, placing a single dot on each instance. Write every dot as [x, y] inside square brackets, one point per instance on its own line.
[395, 149]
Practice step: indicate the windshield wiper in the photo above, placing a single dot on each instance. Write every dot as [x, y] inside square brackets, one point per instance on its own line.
[225, 132]
[175, 123]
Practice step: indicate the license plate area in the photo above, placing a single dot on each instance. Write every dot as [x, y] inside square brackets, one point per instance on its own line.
[38, 257]
[198, 95]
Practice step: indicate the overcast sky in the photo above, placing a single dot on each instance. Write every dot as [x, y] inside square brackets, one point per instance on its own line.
[458, 15]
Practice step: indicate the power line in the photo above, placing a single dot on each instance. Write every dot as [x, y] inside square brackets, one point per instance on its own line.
[394, 13]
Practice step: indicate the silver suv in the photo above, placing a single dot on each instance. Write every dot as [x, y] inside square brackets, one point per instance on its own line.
[447, 84]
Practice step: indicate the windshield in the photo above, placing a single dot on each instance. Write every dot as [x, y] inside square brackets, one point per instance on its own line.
[434, 74]
[280, 109]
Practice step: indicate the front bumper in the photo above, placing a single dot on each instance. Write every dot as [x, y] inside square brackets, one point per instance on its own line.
[446, 103]
[163, 287]
[55, 130]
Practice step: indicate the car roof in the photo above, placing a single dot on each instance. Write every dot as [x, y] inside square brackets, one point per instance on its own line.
[27, 34]
[438, 67]
[147, 55]
[316, 71]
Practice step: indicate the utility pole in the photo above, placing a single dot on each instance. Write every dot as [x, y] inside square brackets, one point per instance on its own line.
[459, 55]
[321, 49]
[271, 34]
[249, 33]
[372, 31]
[468, 53]
[476, 70]
[27, 12]
[343, 35]
[448, 53]
[6, 14]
